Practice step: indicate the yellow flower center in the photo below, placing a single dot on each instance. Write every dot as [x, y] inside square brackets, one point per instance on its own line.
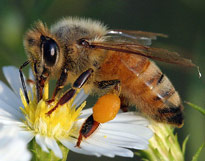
[59, 124]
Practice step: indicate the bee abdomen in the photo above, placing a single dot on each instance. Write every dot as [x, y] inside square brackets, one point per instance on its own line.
[145, 86]
[173, 115]
[161, 101]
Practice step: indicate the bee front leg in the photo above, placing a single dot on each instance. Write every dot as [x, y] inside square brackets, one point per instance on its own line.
[23, 81]
[60, 84]
[79, 82]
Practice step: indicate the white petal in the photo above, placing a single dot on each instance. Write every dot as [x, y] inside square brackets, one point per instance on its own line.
[14, 112]
[31, 85]
[131, 118]
[105, 149]
[86, 113]
[70, 144]
[31, 76]
[41, 142]
[6, 114]
[127, 130]
[92, 147]
[11, 146]
[26, 135]
[13, 77]
[51, 144]
[10, 121]
[14, 150]
[138, 130]
[80, 98]
[9, 97]
[121, 139]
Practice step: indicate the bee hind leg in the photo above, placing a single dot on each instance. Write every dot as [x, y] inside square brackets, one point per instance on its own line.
[117, 89]
[88, 127]
[124, 104]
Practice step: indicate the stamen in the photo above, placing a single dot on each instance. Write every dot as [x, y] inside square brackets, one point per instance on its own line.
[60, 122]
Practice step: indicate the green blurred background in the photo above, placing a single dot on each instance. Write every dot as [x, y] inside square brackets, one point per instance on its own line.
[182, 20]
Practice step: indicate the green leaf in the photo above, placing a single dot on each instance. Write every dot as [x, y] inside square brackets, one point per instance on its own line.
[184, 144]
[198, 108]
[196, 155]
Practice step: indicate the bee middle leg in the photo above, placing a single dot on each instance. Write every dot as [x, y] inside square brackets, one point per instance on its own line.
[79, 82]
[112, 86]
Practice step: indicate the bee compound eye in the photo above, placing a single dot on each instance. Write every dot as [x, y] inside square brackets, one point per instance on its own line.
[50, 51]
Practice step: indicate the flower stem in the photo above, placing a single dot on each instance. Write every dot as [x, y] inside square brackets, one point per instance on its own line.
[39, 155]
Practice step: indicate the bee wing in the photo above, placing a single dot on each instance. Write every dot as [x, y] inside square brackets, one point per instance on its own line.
[140, 37]
[153, 53]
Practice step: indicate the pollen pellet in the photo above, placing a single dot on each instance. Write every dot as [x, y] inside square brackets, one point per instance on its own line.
[106, 108]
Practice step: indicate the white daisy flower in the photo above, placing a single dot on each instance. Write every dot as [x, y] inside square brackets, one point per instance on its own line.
[60, 130]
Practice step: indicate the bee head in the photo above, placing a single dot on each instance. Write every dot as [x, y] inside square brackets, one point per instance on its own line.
[43, 49]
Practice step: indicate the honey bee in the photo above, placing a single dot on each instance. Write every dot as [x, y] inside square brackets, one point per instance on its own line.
[86, 54]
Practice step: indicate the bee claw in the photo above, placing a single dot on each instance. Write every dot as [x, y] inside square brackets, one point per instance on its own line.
[48, 114]
[51, 111]
[50, 101]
